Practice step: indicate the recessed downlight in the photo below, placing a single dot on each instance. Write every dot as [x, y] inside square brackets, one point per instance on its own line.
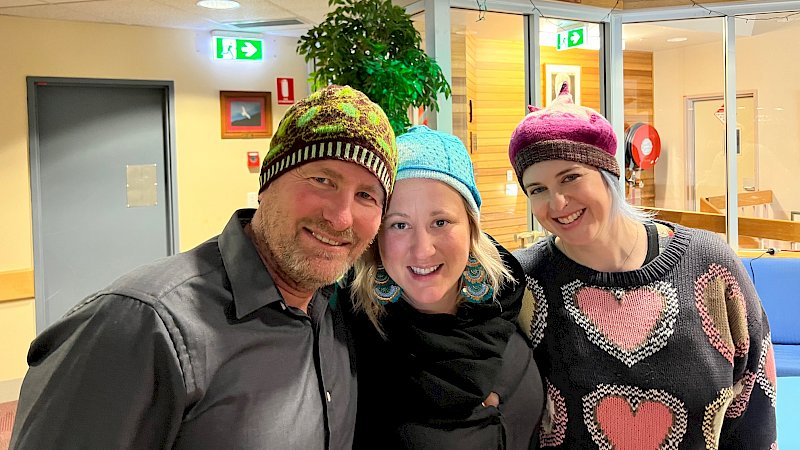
[677, 39]
[218, 4]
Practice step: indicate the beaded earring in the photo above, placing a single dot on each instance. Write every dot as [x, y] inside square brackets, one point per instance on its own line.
[384, 290]
[476, 287]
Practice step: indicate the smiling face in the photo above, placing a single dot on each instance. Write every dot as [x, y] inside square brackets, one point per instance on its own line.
[314, 221]
[424, 243]
[569, 199]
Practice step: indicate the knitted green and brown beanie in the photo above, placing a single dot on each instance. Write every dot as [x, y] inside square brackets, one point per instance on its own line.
[336, 122]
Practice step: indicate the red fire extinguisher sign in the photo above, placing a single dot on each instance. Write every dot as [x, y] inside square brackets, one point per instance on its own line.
[285, 91]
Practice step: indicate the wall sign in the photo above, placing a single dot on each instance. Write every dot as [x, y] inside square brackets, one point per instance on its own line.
[285, 91]
[575, 37]
[239, 49]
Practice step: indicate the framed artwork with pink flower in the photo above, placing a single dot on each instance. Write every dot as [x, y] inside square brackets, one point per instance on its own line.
[556, 75]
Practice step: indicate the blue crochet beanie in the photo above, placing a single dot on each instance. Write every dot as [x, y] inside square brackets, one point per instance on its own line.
[425, 153]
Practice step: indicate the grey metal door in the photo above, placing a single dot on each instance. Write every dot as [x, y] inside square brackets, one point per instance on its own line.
[100, 184]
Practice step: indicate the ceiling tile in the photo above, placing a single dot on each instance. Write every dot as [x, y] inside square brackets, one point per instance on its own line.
[11, 3]
[56, 12]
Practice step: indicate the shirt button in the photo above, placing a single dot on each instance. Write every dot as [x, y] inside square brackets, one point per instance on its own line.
[328, 396]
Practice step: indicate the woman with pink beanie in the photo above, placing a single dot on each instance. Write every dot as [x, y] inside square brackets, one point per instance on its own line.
[648, 334]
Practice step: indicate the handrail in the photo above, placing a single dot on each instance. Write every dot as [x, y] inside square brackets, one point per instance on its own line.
[781, 230]
[16, 285]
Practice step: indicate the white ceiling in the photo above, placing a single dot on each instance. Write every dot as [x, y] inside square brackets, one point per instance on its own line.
[185, 14]
[174, 13]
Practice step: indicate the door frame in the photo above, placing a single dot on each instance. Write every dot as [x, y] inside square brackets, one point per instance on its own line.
[170, 167]
[690, 198]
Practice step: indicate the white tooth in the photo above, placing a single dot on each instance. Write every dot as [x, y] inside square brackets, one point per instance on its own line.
[422, 270]
[325, 240]
[571, 218]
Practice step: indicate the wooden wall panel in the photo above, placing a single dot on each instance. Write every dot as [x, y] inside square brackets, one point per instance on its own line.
[638, 91]
[498, 106]
[472, 89]
[458, 47]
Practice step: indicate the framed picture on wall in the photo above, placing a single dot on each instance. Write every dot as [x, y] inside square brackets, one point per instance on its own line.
[245, 115]
[557, 74]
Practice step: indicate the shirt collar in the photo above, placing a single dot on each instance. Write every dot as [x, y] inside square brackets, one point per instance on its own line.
[251, 283]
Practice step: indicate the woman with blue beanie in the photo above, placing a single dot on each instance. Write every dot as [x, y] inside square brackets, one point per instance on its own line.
[441, 362]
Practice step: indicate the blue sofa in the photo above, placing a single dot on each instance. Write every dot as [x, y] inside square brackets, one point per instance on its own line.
[777, 282]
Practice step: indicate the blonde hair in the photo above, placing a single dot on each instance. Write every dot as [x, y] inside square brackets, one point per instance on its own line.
[481, 247]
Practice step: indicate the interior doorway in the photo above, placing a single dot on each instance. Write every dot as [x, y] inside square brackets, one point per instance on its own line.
[102, 184]
[706, 148]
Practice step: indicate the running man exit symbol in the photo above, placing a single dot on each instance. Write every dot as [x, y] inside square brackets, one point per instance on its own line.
[570, 38]
[238, 48]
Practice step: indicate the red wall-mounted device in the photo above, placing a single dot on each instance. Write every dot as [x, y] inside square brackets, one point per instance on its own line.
[253, 160]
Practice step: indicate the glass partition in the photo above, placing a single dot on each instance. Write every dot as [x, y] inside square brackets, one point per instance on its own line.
[674, 115]
[767, 120]
[488, 64]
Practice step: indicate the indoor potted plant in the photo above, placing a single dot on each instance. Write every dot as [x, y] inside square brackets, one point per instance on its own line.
[372, 46]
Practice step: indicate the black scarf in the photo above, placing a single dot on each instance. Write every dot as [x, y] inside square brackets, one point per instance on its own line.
[445, 365]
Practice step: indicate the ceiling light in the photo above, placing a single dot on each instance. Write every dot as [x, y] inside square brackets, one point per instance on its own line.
[218, 4]
[677, 39]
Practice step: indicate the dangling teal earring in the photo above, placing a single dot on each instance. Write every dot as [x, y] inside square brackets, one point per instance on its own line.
[384, 290]
[476, 287]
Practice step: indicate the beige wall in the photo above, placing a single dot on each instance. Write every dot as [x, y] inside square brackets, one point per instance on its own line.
[687, 71]
[212, 176]
[17, 329]
[767, 65]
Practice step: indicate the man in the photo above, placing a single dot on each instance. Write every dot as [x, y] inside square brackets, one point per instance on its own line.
[232, 344]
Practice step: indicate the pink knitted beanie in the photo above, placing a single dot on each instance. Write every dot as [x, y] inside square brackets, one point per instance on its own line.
[565, 131]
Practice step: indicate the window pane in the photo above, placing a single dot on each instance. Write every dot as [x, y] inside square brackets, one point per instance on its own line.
[674, 83]
[488, 63]
[767, 119]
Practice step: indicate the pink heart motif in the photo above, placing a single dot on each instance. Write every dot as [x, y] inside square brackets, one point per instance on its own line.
[767, 376]
[627, 428]
[627, 322]
[630, 325]
[623, 417]
[769, 367]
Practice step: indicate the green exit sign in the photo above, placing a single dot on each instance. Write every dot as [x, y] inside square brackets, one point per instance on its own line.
[234, 48]
[575, 37]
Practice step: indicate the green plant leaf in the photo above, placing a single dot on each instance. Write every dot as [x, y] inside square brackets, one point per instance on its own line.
[372, 46]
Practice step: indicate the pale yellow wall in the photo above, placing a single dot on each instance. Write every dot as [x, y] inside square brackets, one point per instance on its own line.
[687, 71]
[767, 64]
[16, 331]
[212, 176]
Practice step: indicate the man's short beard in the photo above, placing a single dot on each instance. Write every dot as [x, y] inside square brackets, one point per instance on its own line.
[296, 266]
[299, 269]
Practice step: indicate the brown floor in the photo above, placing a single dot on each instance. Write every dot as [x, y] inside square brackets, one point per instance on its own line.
[7, 411]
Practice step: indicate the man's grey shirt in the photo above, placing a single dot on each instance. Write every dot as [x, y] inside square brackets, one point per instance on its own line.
[197, 350]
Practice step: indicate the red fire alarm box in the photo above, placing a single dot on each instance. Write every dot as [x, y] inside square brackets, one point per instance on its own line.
[253, 159]
[285, 91]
